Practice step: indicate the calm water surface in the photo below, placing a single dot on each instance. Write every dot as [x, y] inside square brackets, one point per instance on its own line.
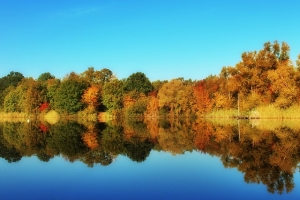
[164, 172]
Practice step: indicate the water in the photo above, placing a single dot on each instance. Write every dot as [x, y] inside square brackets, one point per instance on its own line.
[139, 163]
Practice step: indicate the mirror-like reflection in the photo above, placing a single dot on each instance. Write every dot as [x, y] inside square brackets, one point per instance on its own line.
[265, 152]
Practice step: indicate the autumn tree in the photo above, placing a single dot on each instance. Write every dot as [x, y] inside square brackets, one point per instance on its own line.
[297, 74]
[97, 77]
[91, 97]
[27, 97]
[251, 79]
[158, 84]
[34, 96]
[202, 97]
[177, 96]
[152, 109]
[168, 93]
[283, 85]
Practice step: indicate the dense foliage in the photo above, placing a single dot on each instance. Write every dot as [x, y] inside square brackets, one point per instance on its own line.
[262, 78]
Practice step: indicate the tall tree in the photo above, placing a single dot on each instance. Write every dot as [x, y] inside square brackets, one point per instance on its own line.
[97, 77]
[177, 96]
[13, 100]
[45, 76]
[283, 85]
[34, 96]
[139, 82]
[91, 97]
[202, 97]
[12, 79]
[68, 96]
[112, 95]
[26, 97]
[251, 76]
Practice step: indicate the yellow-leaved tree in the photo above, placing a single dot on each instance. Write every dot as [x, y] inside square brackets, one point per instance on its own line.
[91, 97]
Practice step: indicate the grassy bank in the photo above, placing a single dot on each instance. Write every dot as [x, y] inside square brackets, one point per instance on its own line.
[262, 112]
[271, 112]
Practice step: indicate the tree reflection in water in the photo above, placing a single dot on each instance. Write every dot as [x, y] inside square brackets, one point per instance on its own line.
[265, 152]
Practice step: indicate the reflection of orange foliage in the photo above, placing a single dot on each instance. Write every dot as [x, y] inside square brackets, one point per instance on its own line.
[128, 132]
[284, 154]
[203, 134]
[201, 141]
[221, 134]
[44, 106]
[90, 139]
[152, 126]
[43, 128]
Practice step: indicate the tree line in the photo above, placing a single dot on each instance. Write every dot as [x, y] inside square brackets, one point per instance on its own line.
[261, 78]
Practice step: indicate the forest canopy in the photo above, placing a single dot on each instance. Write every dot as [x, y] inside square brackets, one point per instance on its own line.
[262, 78]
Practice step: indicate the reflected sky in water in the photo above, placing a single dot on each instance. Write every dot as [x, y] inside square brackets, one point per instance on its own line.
[161, 176]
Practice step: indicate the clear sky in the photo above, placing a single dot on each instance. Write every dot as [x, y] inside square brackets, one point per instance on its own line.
[163, 39]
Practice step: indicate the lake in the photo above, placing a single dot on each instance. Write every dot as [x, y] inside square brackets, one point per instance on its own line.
[153, 160]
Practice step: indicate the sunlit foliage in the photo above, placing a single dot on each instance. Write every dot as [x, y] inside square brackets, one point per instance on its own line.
[91, 97]
[68, 96]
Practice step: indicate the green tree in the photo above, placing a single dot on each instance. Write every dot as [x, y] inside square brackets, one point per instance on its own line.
[45, 76]
[112, 95]
[13, 100]
[52, 85]
[139, 82]
[12, 79]
[68, 96]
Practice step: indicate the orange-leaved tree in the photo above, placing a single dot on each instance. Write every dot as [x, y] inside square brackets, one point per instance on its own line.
[202, 97]
[91, 97]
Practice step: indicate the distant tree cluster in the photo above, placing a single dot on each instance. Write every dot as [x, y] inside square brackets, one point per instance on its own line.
[261, 78]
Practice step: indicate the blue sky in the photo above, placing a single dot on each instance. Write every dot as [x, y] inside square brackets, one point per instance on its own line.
[163, 39]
